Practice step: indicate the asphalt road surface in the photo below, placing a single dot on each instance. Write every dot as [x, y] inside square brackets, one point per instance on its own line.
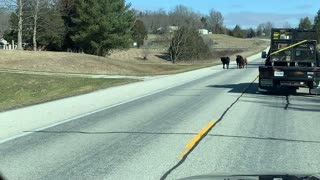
[147, 138]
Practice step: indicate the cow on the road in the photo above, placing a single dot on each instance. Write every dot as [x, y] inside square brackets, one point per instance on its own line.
[241, 62]
[225, 61]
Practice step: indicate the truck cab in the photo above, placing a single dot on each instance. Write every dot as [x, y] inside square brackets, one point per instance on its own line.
[292, 61]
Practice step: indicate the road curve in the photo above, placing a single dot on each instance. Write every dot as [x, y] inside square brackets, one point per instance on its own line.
[142, 139]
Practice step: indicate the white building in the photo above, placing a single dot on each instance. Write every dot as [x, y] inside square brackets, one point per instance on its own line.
[3, 41]
[3, 44]
[203, 31]
[171, 29]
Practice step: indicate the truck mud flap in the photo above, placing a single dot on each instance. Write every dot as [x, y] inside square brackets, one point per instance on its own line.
[277, 90]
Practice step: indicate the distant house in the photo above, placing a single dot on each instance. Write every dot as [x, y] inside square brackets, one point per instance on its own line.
[172, 28]
[3, 43]
[161, 30]
[168, 29]
[203, 31]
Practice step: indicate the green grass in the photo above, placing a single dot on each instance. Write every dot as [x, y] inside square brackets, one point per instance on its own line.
[152, 37]
[18, 90]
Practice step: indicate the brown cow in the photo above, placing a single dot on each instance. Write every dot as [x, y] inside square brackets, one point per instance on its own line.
[241, 62]
[245, 63]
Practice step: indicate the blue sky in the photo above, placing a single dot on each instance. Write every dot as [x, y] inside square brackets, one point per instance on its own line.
[247, 13]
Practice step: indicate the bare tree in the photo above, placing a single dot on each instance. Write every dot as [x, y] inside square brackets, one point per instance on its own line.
[184, 16]
[154, 20]
[268, 27]
[187, 44]
[264, 28]
[35, 15]
[145, 53]
[20, 21]
[4, 20]
[16, 7]
[287, 25]
[37, 9]
[179, 16]
[260, 29]
[178, 44]
[42, 22]
[215, 21]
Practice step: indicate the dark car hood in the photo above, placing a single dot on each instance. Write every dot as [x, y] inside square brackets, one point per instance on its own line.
[256, 176]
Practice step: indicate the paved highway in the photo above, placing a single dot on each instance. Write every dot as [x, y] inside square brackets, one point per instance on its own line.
[159, 136]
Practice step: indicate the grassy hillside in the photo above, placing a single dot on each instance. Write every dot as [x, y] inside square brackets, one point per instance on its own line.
[126, 64]
[225, 41]
[219, 41]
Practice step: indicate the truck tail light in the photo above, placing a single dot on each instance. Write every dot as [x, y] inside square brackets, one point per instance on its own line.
[275, 69]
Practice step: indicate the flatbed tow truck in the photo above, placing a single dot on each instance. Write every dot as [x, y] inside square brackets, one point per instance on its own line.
[292, 61]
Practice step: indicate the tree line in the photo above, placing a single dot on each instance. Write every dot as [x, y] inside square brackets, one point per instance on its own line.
[91, 26]
[181, 16]
[98, 26]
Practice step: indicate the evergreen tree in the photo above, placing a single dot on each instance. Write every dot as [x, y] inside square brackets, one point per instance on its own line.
[67, 10]
[237, 32]
[204, 22]
[317, 23]
[102, 25]
[139, 32]
[305, 23]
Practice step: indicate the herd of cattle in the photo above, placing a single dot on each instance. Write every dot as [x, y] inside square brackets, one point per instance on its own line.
[242, 62]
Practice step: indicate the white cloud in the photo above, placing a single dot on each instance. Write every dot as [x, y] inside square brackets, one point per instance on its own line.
[304, 6]
[252, 19]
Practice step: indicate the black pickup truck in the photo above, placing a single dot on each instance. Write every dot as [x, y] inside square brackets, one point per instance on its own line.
[292, 61]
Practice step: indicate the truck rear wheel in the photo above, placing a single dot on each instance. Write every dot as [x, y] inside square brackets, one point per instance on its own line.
[290, 90]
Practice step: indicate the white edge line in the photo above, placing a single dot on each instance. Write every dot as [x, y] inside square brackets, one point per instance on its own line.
[93, 112]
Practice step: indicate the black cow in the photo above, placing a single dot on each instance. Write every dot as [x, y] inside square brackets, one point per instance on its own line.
[225, 61]
[239, 60]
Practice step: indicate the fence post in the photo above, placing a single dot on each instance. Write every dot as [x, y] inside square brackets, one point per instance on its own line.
[13, 47]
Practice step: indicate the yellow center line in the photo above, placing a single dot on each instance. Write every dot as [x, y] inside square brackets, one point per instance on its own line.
[196, 138]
